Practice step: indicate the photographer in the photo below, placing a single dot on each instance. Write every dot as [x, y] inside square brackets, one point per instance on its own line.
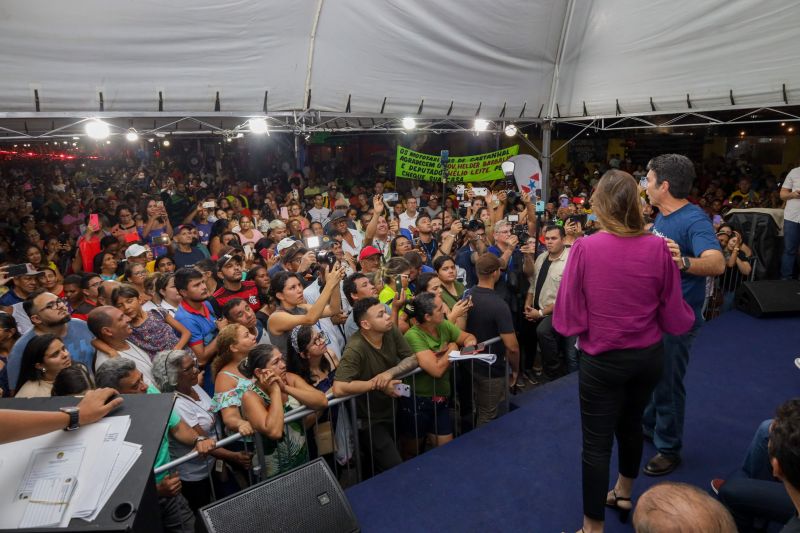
[475, 245]
[292, 310]
[513, 264]
[573, 229]
[330, 326]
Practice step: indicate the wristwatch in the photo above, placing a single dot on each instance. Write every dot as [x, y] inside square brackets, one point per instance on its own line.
[685, 264]
[73, 413]
[200, 438]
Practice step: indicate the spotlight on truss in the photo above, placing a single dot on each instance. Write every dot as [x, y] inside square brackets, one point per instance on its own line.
[409, 123]
[97, 129]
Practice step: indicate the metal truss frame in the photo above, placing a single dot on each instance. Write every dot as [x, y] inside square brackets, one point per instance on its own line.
[684, 119]
[293, 122]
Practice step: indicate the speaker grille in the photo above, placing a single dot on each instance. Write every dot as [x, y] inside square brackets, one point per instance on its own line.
[307, 499]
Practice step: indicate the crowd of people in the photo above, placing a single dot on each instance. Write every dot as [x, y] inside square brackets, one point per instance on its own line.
[251, 298]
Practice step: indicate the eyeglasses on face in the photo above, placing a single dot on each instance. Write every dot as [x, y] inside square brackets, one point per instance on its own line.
[59, 302]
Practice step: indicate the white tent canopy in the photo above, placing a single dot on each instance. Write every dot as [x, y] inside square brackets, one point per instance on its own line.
[546, 56]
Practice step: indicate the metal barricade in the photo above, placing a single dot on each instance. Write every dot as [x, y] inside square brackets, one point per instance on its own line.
[347, 463]
[722, 289]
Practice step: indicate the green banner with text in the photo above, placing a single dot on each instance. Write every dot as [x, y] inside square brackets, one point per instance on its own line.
[424, 167]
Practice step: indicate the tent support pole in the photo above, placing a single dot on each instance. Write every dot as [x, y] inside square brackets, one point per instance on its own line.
[311, 44]
[547, 127]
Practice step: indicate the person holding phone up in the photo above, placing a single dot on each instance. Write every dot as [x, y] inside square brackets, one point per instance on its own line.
[156, 225]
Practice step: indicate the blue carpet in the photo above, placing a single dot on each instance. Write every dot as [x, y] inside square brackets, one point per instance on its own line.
[522, 471]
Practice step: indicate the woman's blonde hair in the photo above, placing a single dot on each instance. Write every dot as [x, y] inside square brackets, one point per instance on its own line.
[394, 267]
[227, 337]
[617, 204]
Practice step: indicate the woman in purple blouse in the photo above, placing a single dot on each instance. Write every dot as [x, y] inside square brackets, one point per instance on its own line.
[621, 290]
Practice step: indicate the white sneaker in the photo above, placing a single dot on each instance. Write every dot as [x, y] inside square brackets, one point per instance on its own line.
[797, 362]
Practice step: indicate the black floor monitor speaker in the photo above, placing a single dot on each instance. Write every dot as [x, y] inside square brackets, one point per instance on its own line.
[769, 298]
[305, 499]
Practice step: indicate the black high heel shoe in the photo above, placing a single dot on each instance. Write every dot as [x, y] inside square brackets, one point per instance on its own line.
[624, 512]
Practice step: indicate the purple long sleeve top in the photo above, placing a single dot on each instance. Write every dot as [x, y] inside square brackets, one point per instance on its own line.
[620, 293]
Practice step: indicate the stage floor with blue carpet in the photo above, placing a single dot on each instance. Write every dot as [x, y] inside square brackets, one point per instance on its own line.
[522, 471]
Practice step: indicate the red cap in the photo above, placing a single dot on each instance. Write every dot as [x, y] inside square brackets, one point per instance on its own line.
[368, 251]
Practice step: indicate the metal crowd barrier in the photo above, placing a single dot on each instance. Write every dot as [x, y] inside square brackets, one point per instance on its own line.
[346, 407]
[723, 289]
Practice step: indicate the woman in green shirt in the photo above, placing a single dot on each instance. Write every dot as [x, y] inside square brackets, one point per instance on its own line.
[452, 289]
[426, 412]
[396, 269]
[273, 392]
[430, 282]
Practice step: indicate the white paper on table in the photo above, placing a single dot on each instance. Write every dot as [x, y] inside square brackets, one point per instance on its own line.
[127, 455]
[56, 462]
[485, 357]
[48, 502]
[103, 465]
[15, 456]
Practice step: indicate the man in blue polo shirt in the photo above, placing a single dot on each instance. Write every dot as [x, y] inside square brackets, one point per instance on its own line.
[49, 314]
[198, 316]
[695, 249]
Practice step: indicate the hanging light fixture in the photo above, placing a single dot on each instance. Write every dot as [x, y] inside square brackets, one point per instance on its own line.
[480, 124]
[258, 126]
[409, 123]
[97, 129]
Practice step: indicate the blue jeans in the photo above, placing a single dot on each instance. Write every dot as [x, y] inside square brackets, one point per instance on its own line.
[791, 241]
[751, 494]
[572, 353]
[756, 462]
[663, 417]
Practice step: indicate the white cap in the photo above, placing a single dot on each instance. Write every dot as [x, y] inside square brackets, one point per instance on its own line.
[135, 250]
[286, 242]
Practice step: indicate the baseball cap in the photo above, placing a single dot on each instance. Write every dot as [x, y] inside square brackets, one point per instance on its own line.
[338, 214]
[29, 271]
[185, 226]
[227, 258]
[294, 251]
[368, 251]
[487, 263]
[286, 242]
[135, 250]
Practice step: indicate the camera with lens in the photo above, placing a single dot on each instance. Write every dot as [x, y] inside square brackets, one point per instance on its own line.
[325, 257]
[521, 231]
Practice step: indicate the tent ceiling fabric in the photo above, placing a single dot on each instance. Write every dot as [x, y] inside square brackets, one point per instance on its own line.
[666, 49]
[469, 52]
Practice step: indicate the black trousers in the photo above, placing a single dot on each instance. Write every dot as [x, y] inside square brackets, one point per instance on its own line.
[754, 502]
[615, 387]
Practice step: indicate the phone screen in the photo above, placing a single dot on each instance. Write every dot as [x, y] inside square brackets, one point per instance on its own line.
[312, 242]
[284, 212]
